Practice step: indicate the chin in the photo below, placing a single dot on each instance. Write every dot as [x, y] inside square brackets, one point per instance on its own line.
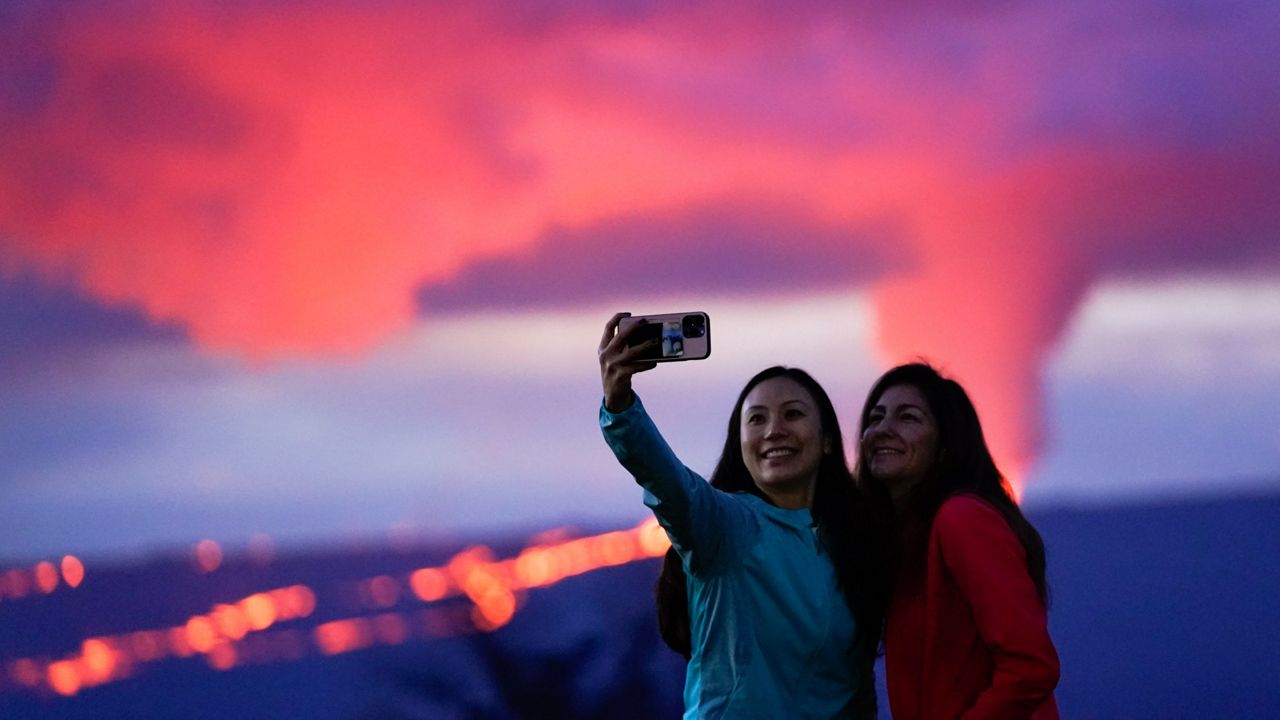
[885, 480]
[888, 476]
[770, 483]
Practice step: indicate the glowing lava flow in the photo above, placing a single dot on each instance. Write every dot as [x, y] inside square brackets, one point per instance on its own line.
[43, 578]
[243, 632]
[107, 658]
[494, 587]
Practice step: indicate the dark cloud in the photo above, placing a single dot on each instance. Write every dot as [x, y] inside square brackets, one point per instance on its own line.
[729, 249]
[43, 322]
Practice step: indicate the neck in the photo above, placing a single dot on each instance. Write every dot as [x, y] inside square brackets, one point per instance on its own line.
[900, 493]
[798, 497]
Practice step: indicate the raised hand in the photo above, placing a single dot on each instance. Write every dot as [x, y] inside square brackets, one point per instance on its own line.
[618, 363]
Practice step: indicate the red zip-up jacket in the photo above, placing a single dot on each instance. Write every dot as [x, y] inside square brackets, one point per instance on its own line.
[966, 635]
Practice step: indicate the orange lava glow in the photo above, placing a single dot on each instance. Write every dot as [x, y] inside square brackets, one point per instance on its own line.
[98, 661]
[215, 635]
[262, 550]
[494, 608]
[201, 634]
[230, 621]
[179, 643]
[340, 636]
[72, 571]
[238, 632]
[260, 610]
[46, 577]
[390, 629]
[222, 656]
[429, 584]
[25, 672]
[208, 556]
[16, 583]
[383, 591]
[494, 586]
[535, 567]
[64, 677]
[295, 601]
[147, 645]
[652, 538]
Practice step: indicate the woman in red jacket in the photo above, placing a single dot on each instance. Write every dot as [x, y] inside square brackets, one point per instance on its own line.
[966, 634]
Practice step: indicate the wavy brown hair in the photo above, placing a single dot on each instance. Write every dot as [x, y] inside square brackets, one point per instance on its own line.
[964, 465]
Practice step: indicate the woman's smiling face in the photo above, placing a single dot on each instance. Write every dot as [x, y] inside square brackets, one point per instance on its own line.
[782, 440]
[900, 439]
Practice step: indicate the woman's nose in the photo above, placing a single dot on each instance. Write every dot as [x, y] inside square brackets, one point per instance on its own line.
[881, 429]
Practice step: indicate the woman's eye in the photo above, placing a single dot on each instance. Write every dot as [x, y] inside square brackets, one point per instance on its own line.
[793, 414]
[754, 419]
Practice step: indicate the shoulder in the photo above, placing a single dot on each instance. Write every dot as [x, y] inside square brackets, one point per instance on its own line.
[967, 518]
[965, 509]
[754, 506]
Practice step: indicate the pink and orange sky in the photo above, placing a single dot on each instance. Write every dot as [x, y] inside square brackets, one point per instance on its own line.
[336, 268]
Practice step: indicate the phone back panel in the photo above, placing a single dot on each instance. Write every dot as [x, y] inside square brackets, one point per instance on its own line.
[685, 336]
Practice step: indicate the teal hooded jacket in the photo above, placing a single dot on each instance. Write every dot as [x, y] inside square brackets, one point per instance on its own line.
[772, 635]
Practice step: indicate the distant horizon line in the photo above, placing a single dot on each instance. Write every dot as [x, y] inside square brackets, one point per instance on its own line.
[410, 540]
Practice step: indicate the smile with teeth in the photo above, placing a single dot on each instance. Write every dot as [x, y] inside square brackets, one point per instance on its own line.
[886, 451]
[777, 453]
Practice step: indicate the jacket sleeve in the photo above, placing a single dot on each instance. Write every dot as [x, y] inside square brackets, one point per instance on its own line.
[706, 526]
[988, 564]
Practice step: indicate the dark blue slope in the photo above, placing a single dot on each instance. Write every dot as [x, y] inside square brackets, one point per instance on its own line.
[1158, 612]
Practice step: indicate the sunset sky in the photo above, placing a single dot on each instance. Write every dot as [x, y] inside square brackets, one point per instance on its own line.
[337, 270]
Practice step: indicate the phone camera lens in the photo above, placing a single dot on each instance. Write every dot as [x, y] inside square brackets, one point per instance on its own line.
[694, 326]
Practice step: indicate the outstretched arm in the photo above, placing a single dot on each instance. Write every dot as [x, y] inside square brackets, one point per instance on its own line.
[702, 523]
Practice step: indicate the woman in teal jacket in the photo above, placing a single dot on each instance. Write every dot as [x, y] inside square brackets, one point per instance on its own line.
[774, 590]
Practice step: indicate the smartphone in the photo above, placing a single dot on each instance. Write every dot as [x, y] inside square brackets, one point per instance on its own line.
[685, 336]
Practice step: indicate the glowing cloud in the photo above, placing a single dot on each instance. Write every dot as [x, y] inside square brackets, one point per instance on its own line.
[282, 178]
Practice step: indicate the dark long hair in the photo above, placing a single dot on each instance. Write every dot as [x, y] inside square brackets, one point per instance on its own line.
[964, 465]
[852, 528]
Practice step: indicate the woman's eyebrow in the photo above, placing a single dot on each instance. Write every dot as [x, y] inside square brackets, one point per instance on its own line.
[897, 408]
[784, 402]
[797, 401]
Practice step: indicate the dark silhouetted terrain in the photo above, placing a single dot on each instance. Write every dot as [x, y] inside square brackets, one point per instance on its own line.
[1159, 611]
